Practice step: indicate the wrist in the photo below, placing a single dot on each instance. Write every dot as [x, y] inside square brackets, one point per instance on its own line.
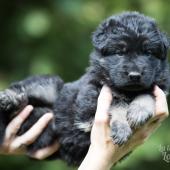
[97, 159]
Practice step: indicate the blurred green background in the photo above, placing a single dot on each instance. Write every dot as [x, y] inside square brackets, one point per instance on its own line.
[54, 36]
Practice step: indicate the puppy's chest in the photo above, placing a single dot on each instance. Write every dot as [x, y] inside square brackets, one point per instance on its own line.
[121, 98]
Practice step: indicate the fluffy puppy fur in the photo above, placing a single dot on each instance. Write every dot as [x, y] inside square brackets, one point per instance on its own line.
[130, 56]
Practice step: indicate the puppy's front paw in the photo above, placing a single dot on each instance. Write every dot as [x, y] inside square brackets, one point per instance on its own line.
[120, 132]
[10, 100]
[138, 115]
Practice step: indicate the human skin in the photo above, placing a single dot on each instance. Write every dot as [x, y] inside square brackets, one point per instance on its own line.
[101, 142]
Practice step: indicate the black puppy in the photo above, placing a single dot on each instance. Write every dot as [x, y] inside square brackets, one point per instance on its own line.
[130, 56]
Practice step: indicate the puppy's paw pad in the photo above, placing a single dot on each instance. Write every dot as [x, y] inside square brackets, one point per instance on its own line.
[138, 116]
[121, 132]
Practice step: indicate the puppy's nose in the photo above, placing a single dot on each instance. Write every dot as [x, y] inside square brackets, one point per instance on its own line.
[134, 76]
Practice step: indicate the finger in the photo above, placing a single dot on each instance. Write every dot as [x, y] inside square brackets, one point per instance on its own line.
[45, 152]
[161, 105]
[31, 135]
[104, 102]
[16, 123]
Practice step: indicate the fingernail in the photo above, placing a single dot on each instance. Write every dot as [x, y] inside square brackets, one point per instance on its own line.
[29, 107]
[106, 88]
[49, 116]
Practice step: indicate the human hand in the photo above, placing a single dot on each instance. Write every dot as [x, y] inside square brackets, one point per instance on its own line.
[103, 153]
[16, 145]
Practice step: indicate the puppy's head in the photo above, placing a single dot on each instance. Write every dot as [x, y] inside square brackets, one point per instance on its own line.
[130, 52]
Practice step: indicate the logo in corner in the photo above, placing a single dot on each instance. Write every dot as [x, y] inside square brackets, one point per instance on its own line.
[165, 150]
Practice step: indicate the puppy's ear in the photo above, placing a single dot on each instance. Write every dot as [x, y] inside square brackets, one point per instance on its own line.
[165, 45]
[101, 36]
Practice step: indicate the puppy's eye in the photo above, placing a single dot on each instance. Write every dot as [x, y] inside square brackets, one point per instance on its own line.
[122, 45]
[107, 52]
[121, 52]
[149, 52]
